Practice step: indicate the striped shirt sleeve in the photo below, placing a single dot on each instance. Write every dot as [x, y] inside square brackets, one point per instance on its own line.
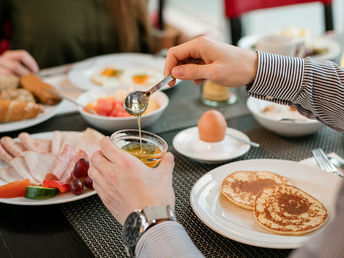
[316, 89]
[167, 239]
[329, 241]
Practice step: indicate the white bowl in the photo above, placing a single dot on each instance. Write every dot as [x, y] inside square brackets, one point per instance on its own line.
[284, 128]
[117, 123]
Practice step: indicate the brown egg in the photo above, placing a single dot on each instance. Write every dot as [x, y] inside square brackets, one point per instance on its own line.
[212, 126]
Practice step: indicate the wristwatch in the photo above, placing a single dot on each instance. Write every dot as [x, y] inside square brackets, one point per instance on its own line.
[139, 221]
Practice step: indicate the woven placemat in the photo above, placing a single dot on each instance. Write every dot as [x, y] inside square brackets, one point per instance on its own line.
[186, 108]
[101, 232]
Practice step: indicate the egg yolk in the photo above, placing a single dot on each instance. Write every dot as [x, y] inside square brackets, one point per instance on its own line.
[110, 72]
[212, 126]
[140, 78]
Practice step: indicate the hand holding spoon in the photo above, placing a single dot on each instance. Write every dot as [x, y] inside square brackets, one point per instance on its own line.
[137, 101]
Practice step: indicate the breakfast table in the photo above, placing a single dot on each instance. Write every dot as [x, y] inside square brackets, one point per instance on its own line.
[85, 228]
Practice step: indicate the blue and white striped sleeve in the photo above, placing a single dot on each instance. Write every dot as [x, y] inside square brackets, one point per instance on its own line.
[167, 239]
[316, 89]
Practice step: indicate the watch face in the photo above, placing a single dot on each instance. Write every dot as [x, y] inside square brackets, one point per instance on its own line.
[131, 231]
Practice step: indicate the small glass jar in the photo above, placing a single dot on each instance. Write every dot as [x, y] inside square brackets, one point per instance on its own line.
[215, 95]
[152, 145]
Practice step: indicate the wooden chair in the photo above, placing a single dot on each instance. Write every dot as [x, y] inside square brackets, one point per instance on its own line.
[234, 9]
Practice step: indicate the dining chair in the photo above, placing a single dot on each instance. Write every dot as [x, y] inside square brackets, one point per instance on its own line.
[235, 9]
[5, 35]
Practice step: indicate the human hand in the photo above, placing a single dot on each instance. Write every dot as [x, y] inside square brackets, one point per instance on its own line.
[225, 64]
[17, 62]
[124, 183]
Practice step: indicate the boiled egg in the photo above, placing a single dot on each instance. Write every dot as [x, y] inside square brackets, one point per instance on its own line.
[212, 126]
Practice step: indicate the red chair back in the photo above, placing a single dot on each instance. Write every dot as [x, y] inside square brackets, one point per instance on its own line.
[5, 40]
[236, 8]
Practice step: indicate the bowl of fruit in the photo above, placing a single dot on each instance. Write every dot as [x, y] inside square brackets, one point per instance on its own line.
[104, 109]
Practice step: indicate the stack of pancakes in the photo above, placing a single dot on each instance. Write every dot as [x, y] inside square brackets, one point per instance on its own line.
[277, 206]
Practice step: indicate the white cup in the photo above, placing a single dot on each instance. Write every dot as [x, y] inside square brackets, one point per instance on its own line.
[282, 45]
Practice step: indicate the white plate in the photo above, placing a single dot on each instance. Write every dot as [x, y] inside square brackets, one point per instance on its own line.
[187, 143]
[81, 74]
[60, 198]
[49, 111]
[239, 224]
[334, 48]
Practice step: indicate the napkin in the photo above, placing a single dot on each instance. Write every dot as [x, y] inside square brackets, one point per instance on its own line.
[312, 162]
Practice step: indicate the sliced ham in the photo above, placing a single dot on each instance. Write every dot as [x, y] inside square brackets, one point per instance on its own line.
[66, 178]
[7, 157]
[20, 166]
[9, 174]
[70, 138]
[61, 163]
[36, 145]
[89, 141]
[16, 149]
[56, 143]
[39, 164]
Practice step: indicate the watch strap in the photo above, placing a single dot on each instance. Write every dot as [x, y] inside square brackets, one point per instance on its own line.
[155, 213]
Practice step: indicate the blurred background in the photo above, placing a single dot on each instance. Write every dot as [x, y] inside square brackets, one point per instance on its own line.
[199, 16]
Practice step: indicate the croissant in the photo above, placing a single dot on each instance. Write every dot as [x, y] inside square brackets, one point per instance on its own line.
[15, 110]
[39, 89]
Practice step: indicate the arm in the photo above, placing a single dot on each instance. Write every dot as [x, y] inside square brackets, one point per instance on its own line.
[315, 89]
[329, 241]
[124, 184]
[167, 239]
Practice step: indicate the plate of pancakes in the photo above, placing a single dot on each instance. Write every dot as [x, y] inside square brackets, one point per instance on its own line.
[266, 202]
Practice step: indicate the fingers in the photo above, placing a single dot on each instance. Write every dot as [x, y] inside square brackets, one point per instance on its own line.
[167, 163]
[111, 152]
[175, 55]
[25, 58]
[192, 71]
[4, 71]
[199, 82]
[102, 164]
[14, 67]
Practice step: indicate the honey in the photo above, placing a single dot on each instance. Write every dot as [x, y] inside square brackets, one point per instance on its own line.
[149, 154]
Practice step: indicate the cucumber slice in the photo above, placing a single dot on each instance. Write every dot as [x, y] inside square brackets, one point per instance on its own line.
[38, 192]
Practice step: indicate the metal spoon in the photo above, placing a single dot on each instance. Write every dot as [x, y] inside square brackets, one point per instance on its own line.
[254, 144]
[137, 101]
[90, 110]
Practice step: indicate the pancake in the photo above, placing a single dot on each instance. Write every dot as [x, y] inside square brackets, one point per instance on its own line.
[286, 209]
[242, 187]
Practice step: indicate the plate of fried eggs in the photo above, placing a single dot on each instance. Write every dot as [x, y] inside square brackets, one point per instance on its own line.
[133, 70]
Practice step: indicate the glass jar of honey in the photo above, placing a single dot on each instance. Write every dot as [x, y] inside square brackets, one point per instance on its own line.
[214, 94]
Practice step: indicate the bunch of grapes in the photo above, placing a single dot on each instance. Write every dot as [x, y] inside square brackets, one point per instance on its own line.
[80, 177]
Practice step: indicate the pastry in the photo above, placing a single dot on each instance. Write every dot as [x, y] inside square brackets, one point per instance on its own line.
[286, 209]
[11, 110]
[39, 89]
[8, 82]
[21, 95]
[242, 187]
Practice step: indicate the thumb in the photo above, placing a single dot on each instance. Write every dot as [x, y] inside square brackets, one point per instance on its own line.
[166, 163]
[191, 71]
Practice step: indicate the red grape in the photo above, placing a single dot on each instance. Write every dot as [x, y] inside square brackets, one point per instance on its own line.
[81, 168]
[76, 186]
[88, 182]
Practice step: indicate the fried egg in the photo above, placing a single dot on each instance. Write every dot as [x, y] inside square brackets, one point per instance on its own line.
[142, 76]
[108, 77]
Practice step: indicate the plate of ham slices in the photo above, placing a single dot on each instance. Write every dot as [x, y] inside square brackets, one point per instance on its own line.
[42, 156]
